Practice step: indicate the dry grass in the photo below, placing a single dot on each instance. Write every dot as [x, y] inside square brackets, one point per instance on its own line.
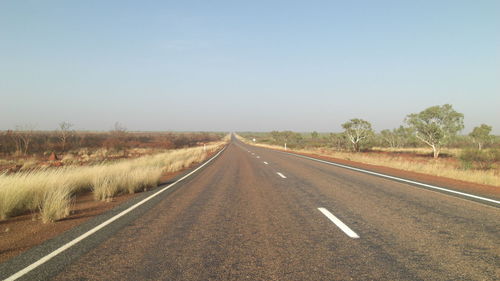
[55, 204]
[449, 168]
[29, 164]
[50, 190]
[454, 152]
[69, 159]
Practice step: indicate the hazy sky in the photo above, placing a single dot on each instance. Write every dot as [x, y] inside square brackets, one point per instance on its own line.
[246, 65]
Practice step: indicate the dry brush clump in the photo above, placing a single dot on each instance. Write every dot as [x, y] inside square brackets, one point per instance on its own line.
[484, 159]
[50, 191]
[55, 204]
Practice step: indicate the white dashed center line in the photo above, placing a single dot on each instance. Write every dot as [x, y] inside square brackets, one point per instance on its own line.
[281, 175]
[339, 223]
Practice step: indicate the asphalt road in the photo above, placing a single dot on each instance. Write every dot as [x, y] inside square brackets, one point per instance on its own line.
[252, 214]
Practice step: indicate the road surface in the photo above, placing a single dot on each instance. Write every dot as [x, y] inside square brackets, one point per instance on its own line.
[258, 214]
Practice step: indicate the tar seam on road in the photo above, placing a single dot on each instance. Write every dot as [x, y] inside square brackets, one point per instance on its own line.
[339, 223]
[281, 175]
[399, 179]
[102, 225]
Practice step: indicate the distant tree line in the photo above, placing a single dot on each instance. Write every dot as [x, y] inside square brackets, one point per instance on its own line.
[288, 138]
[435, 127]
[24, 140]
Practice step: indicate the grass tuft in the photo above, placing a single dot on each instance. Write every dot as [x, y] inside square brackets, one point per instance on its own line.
[55, 204]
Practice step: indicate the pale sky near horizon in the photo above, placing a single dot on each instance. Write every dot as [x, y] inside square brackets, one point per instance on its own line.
[246, 65]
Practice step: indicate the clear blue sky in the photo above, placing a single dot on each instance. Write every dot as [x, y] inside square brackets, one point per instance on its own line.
[246, 65]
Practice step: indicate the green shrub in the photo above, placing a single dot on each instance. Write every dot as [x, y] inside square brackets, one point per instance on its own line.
[479, 159]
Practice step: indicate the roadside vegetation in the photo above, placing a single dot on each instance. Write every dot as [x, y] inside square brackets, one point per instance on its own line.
[428, 142]
[49, 190]
[23, 148]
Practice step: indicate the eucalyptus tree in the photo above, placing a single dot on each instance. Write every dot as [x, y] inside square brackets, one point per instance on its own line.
[357, 131]
[480, 135]
[436, 125]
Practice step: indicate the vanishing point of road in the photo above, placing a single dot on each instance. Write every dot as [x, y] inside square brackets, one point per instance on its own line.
[258, 214]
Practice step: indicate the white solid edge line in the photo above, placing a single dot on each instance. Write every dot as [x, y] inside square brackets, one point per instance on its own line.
[339, 223]
[266, 163]
[281, 175]
[399, 179]
[100, 226]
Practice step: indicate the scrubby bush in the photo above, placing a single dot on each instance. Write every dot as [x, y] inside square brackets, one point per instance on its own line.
[291, 139]
[479, 159]
[23, 141]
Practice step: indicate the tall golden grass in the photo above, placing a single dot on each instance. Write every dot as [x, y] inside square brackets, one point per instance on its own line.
[50, 191]
[436, 167]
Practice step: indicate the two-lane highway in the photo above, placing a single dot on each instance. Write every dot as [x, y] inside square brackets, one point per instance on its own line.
[258, 214]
